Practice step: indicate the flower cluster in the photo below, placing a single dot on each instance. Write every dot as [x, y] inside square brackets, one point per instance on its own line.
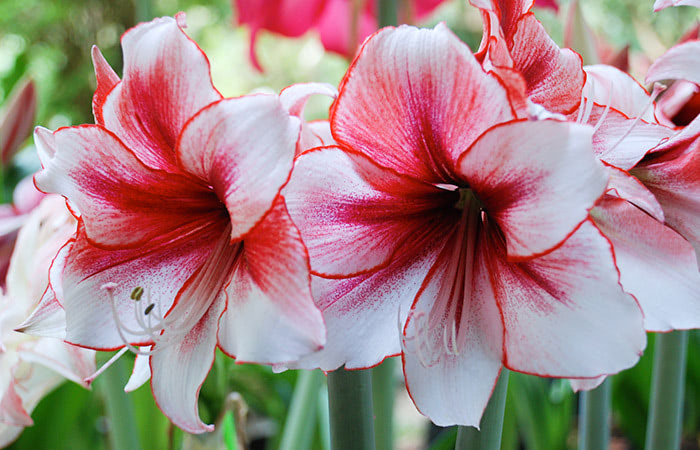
[467, 211]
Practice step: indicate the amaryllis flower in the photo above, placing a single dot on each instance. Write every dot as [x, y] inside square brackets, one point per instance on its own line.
[25, 198]
[184, 242]
[341, 29]
[30, 367]
[656, 263]
[438, 203]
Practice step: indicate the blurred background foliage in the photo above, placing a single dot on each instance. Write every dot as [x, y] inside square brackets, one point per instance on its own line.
[50, 40]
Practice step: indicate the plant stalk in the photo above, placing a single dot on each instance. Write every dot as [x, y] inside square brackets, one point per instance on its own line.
[301, 419]
[594, 417]
[665, 420]
[350, 407]
[489, 437]
[123, 433]
[383, 390]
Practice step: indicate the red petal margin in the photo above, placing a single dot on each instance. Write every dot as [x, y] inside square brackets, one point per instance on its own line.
[414, 99]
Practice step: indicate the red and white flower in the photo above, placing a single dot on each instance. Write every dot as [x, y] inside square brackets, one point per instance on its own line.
[440, 203]
[30, 367]
[184, 242]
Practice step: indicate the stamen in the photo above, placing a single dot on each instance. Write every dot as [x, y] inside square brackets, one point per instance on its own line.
[149, 308]
[137, 293]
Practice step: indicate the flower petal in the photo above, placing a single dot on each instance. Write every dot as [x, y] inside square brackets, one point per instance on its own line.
[354, 221]
[680, 62]
[271, 316]
[453, 337]
[166, 81]
[123, 203]
[404, 100]
[178, 371]
[586, 384]
[565, 313]
[161, 268]
[361, 312]
[141, 372]
[672, 173]
[608, 85]
[537, 180]
[656, 265]
[243, 148]
[625, 186]
[106, 80]
[554, 76]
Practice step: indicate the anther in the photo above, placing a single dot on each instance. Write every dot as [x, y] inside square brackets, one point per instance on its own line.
[149, 308]
[137, 293]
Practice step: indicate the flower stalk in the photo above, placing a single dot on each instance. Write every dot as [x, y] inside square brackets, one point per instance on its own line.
[383, 389]
[489, 436]
[350, 405]
[299, 428]
[594, 417]
[123, 432]
[664, 423]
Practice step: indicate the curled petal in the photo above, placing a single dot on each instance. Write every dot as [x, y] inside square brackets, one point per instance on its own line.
[178, 371]
[537, 180]
[271, 316]
[681, 62]
[608, 85]
[166, 81]
[106, 80]
[243, 148]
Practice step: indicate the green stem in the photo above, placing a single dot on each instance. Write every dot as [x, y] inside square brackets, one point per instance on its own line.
[123, 433]
[664, 423]
[301, 419]
[143, 10]
[383, 390]
[594, 417]
[489, 437]
[387, 14]
[350, 406]
[324, 418]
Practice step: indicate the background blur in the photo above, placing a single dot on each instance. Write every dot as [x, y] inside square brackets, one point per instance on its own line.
[50, 40]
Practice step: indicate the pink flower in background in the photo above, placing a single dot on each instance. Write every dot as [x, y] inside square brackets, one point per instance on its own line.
[439, 204]
[17, 120]
[184, 242]
[551, 4]
[30, 367]
[332, 18]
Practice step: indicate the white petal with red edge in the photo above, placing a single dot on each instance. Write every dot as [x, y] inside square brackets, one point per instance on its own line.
[71, 362]
[565, 313]
[681, 62]
[404, 101]
[452, 358]
[623, 142]
[354, 221]
[625, 186]
[162, 268]
[656, 265]
[123, 202]
[271, 316]
[166, 81]
[673, 176]
[554, 76]
[178, 371]
[609, 86]
[537, 180]
[365, 315]
[106, 79]
[244, 148]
